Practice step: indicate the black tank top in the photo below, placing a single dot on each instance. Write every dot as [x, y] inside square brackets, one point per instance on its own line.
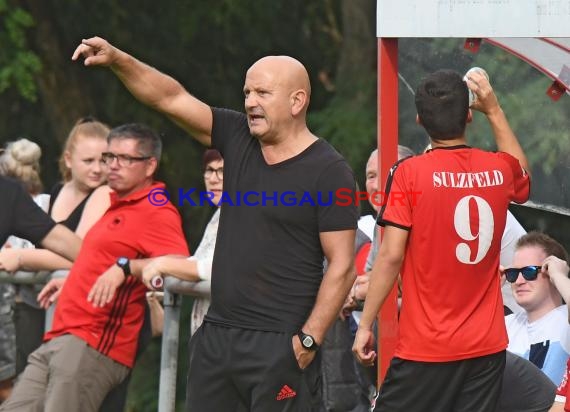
[74, 217]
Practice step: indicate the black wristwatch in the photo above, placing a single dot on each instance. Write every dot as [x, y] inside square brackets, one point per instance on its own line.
[307, 341]
[124, 263]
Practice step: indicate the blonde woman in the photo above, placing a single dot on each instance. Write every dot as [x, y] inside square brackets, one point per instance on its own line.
[77, 203]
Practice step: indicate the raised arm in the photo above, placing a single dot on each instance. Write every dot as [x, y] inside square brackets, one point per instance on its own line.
[488, 104]
[558, 270]
[151, 87]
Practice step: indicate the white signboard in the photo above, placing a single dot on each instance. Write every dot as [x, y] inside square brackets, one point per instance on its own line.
[473, 18]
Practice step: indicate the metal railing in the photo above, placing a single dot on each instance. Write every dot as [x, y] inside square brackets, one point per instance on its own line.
[35, 278]
[173, 289]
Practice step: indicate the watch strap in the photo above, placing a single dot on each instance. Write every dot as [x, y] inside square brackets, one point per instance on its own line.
[124, 263]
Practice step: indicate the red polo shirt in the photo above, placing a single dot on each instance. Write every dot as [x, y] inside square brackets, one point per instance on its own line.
[131, 227]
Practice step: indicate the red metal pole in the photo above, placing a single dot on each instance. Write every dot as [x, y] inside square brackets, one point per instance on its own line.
[388, 148]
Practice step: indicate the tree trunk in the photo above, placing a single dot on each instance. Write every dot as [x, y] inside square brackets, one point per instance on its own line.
[63, 98]
[357, 60]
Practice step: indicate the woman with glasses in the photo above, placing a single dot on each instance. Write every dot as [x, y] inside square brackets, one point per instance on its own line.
[199, 266]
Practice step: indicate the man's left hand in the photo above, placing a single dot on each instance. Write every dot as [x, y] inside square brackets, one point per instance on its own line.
[105, 287]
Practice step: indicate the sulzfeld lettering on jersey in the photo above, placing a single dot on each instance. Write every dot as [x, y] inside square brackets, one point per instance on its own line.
[467, 180]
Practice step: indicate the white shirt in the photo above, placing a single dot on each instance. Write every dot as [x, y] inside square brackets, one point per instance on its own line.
[551, 330]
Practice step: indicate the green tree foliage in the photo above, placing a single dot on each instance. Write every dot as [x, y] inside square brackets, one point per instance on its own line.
[18, 64]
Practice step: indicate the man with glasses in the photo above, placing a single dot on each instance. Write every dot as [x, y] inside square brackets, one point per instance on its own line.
[100, 310]
[540, 333]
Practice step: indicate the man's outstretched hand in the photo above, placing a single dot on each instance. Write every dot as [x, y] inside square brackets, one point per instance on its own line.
[96, 52]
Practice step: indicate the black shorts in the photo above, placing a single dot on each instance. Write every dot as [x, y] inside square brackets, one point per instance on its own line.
[469, 385]
[233, 369]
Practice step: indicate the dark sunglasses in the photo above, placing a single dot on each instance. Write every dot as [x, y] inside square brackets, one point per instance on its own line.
[528, 273]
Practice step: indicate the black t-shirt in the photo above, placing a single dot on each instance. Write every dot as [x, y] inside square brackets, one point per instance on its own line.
[268, 262]
[19, 214]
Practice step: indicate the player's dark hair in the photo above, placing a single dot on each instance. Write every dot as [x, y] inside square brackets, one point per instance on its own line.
[442, 103]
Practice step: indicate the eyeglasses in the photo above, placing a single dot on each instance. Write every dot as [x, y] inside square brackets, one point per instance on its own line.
[209, 172]
[528, 273]
[123, 159]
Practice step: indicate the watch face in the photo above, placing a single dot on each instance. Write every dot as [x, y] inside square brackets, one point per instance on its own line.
[308, 341]
[122, 261]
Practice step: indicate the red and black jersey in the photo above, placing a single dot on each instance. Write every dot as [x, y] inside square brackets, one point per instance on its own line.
[454, 203]
[131, 227]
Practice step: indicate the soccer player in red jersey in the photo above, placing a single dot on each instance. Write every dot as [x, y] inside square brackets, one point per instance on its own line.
[445, 243]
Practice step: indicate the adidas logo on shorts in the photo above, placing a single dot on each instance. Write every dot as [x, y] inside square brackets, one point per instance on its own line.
[285, 392]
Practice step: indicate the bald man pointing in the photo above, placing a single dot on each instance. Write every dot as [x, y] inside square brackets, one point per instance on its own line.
[271, 304]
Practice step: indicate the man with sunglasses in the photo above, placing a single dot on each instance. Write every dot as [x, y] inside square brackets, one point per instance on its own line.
[100, 310]
[540, 333]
